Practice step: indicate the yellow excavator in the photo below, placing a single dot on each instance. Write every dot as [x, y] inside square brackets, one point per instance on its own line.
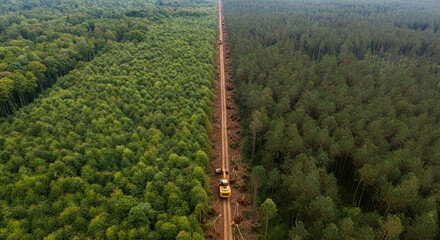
[224, 188]
[219, 41]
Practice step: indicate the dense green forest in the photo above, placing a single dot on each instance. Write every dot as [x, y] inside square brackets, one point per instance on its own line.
[43, 40]
[118, 147]
[340, 105]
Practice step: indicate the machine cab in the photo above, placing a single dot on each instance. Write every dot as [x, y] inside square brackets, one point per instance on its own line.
[223, 182]
[225, 190]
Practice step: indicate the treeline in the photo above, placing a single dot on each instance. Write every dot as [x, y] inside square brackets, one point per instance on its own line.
[41, 41]
[339, 103]
[119, 147]
[354, 25]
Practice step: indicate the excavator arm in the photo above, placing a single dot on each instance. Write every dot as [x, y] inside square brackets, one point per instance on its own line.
[224, 188]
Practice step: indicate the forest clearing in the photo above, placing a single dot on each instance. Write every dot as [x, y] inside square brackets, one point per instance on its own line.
[228, 221]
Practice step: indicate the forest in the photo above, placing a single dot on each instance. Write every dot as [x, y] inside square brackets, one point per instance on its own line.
[339, 103]
[106, 117]
[41, 41]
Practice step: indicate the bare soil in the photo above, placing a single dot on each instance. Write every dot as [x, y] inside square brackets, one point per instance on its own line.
[240, 199]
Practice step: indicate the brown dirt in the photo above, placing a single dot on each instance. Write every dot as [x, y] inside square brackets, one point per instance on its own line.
[240, 199]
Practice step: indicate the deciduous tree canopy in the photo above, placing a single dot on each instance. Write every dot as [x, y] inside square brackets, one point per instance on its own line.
[115, 147]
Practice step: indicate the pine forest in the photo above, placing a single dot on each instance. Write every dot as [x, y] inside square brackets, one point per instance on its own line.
[114, 122]
[340, 106]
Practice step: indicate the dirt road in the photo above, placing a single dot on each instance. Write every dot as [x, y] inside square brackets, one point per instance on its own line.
[227, 218]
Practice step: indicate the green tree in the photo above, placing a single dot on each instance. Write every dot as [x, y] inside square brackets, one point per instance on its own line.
[258, 177]
[83, 49]
[168, 231]
[322, 208]
[4, 22]
[274, 180]
[424, 227]
[198, 196]
[256, 126]
[391, 228]
[268, 210]
[6, 88]
[123, 205]
[183, 236]
[23, 84]
[38, 70]
[134, 35]
[141, 215]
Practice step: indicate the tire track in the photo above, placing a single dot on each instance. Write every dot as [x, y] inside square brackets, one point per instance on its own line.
[227, 219]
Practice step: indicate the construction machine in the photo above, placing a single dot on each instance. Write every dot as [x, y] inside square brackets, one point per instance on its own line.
[224, 188]
[219, 41]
